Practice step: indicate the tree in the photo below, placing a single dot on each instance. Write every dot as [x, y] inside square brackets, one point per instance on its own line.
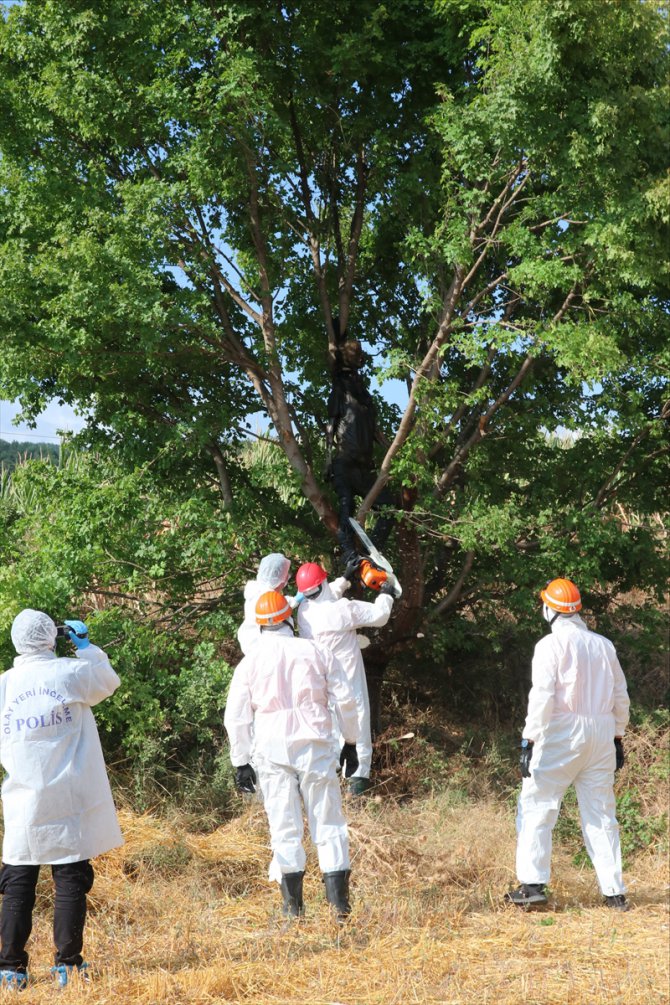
[16, 450]
[190, 192]
[158, 576]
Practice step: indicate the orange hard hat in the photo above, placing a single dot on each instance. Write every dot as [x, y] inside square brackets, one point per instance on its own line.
[563, 596]
[371, 575]
[272, 608]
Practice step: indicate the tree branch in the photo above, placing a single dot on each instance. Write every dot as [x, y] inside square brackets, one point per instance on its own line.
[222, 471]
[603, 493]
[450, 471]
[423, 371]
[314, 244]
[500, 197]
[482, 377]
[455, 591]
[346, 284]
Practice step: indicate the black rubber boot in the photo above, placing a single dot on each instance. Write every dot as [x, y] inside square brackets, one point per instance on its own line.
[337, 892]
[528, 895]
[359, 786]
[291, 891]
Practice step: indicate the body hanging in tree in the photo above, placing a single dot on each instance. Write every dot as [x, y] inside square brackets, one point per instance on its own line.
[351, 436]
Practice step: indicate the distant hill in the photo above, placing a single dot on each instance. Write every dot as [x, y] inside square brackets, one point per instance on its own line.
[17, 450]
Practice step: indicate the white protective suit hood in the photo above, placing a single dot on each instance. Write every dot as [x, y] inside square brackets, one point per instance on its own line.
[248, 633]
[324, 596]
[284, 628]
[553, 617]
[273, 571]
[33, 632]
[252, 590]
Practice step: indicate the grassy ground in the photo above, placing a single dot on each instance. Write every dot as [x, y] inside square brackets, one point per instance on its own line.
[178, 917]
[183, 913]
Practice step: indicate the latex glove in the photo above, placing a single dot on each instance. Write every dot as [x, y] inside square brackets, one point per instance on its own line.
[524, 759]
[294, 601]
[620, 758]
[245, 778]
[349, 757]
[78, 634]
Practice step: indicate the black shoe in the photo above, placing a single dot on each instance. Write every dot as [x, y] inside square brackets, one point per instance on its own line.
[618, 902]
[337, 892]
[291, 891]
[359, 786]
[528, 895]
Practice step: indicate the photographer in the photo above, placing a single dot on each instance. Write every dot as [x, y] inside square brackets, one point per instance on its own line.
[57, 803]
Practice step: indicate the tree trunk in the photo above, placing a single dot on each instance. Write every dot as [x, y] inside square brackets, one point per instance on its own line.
[375, 672]
[224, 477]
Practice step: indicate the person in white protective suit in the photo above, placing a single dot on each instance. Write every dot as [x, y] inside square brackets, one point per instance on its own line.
[57, 803]
[273, 573]
[283, 691]
[577, 714]
[332, 620]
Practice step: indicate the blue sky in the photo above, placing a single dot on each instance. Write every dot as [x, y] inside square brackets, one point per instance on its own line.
[57, 417]
[54, 418]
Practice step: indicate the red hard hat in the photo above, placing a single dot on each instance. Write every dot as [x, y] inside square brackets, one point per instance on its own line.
[563, 596]
[309, 576]
[272, 608]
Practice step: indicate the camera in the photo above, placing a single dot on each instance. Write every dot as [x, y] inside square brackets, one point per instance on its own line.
[66, 632]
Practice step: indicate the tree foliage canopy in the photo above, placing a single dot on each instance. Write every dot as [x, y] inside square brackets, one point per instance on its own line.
[189, 193]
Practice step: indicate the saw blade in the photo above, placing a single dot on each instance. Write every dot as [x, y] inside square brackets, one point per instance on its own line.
[376, 555]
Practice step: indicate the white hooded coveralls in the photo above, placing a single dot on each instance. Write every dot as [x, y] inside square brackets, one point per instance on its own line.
[283, 692]
[56, 798]
[332, 621]
[248, 634]
[273, 573]
[577, 705]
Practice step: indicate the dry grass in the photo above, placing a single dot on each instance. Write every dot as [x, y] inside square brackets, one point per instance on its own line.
[189, 918]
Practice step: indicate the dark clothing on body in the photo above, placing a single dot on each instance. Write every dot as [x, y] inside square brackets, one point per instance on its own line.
[352, 426]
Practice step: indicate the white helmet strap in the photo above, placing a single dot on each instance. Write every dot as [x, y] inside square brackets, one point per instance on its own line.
[549, 615]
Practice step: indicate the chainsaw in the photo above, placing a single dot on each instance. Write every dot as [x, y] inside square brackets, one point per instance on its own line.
[378, 570]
